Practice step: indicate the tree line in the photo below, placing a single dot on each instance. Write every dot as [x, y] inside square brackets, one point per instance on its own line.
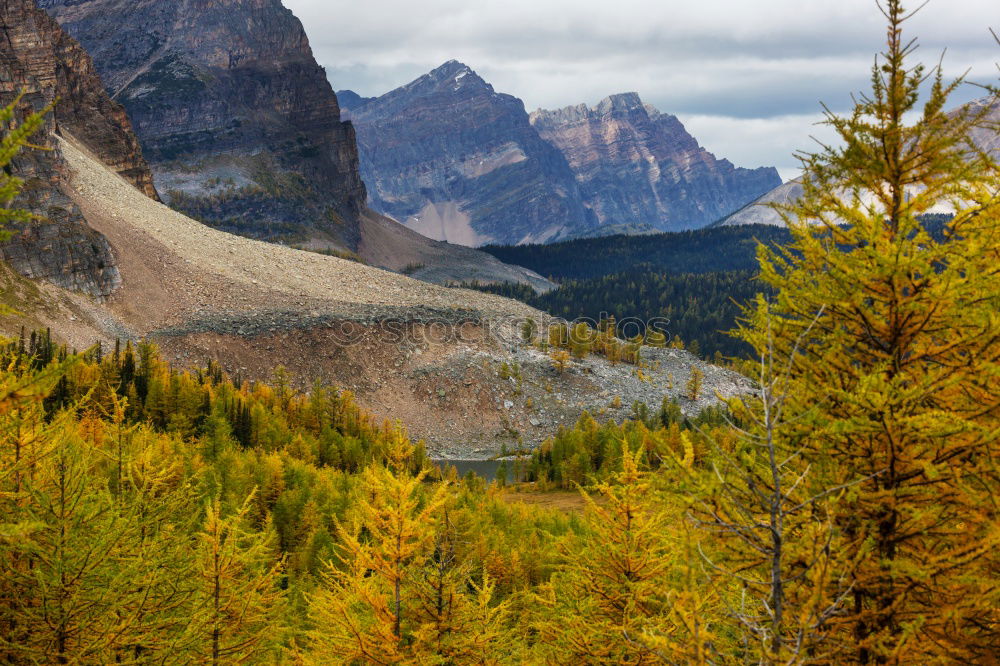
[698, 309]
[709, 250]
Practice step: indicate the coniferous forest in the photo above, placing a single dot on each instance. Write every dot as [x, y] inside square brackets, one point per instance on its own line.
[843, 512]
[711, 250]
[699, 310]
[685, 279]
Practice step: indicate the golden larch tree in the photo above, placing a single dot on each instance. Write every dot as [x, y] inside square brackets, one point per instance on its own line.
[891, 332]
[625, 593]
[239, 595]
[363, 613]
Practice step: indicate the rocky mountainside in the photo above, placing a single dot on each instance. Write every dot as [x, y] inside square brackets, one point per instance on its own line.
[428, 355]
[453, 159]
[243, 130]
[759, 211]
[636, 165]
[235, 116]
[987, 136]
[39, 58]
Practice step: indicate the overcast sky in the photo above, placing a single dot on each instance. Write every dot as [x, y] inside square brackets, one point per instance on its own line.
[745, 76]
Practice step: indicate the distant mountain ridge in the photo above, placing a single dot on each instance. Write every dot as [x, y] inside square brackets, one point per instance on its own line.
[760, 211]
[453, 159]
[637, 165]
[450, 157]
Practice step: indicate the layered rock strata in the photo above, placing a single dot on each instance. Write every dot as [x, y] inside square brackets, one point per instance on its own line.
[635, 166]
[451, 158]
[238, 121]
[38, 59]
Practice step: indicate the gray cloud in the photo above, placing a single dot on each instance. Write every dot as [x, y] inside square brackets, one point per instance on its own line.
[746, 76]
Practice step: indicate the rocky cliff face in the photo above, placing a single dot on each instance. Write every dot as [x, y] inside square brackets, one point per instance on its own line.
[451, 158]
[37, 57]
[236, 118]
[636, 165]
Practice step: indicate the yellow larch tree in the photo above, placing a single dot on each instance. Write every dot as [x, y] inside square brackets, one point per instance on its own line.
[891, 333]
[363, 612]
[766, 517]
[239, 600]
[27, 443]
[625, 593]
[154, 501]
[458, 620]
[67, 576]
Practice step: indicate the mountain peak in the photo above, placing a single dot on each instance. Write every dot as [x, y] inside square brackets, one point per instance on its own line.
[619, 104]
[622, 102]
[451, 68]
[350, 100]
[635, 164]
[455, 160]
[451, 76]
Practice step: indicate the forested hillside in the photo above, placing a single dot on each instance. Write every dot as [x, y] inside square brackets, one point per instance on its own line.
[700, 251]
[698, 311]
[697, 280]
[158, 516]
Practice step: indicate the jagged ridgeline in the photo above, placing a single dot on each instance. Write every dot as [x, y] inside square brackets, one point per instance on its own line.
[636, 165]
[454, 159]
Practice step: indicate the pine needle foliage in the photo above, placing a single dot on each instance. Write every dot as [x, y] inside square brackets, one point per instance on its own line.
[364, 612]
[767, 520]
[239, 592]
[624, 593]
[892, 338]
